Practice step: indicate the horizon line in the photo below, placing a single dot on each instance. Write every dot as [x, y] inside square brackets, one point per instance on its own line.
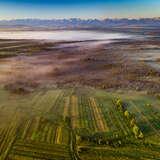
[129, 18]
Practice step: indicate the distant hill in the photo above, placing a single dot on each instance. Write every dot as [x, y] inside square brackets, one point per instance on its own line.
[81, 23]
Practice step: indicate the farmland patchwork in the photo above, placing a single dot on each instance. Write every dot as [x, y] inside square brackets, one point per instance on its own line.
[79, 124]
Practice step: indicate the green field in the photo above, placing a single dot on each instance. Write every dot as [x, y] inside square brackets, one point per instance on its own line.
[79, 124]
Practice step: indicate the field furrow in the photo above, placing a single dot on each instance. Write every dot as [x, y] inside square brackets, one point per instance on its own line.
[74, 112]
[102, 126]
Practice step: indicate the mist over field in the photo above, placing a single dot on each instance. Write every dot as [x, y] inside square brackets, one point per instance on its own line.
[79, 94]
[79, 80]
[63, 35]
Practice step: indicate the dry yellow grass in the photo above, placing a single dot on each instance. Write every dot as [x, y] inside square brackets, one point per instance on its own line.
[100, 121]
[74, 111]
[58, 135]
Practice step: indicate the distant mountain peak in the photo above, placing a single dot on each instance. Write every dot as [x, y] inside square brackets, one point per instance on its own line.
[82, 23]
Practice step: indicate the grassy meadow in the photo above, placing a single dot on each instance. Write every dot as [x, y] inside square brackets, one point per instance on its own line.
[79, 123]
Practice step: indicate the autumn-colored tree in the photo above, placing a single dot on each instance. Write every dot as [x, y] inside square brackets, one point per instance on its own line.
[127, 114]
[136, 130]
[119, 103]
[132, 122]
[141, 136]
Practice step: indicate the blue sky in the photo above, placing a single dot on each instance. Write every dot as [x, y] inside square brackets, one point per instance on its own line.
[48, 9]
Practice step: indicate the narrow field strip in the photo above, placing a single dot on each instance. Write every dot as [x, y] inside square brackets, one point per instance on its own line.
[94, 123]
[58, 104]
[29, 131]
[42, 101]
[52, 100]
[49, 135]
[36, 127]
[107, 115]
[44, 133]
[133, 153]
[40, 150]
[41, 155]
[40, 145]
[26, 128]
[102, 126]
[123, 122]
[45, 148]
[66, 107]
[58, 135]
[82, 114]
[37, 99]
[86, 115]
[74, 112]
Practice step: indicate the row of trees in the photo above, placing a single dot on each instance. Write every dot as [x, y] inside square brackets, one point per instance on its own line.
[114, 139]
[130, 118]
